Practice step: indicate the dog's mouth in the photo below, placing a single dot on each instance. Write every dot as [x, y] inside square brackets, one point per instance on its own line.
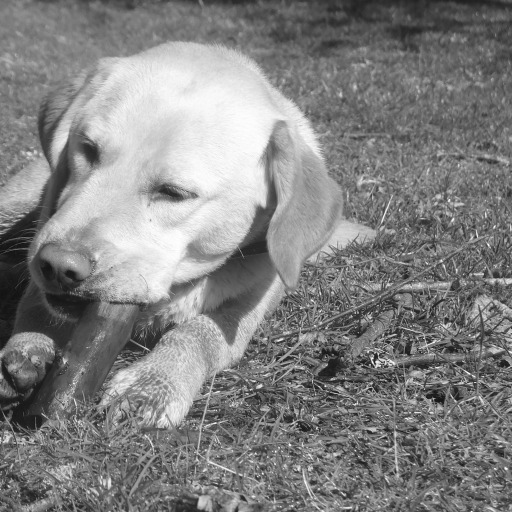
[71, 307]
[68, 306]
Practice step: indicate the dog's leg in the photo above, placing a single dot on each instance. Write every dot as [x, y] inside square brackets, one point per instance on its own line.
[160, 388]
[30, 351]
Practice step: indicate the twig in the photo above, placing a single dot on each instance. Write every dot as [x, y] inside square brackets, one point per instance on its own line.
[482, 157]
[473, 355]
[42, 505]
[407, 287]
[384, 294]
[365, 135]
[307, 337]
[377, 328]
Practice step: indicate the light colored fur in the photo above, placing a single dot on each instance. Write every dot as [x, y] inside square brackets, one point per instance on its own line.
[205, 119]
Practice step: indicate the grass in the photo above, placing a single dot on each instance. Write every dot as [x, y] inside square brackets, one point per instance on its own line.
[412, 104]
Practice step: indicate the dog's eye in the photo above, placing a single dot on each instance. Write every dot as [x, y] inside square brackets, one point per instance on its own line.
[90, 151]
[174, 193]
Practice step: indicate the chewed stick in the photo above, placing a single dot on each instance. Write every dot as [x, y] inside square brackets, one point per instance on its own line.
[81, 369]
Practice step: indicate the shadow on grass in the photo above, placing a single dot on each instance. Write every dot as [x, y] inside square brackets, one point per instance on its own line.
[404, 21]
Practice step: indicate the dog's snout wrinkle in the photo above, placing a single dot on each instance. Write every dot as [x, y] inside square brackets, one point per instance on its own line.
[63, 268]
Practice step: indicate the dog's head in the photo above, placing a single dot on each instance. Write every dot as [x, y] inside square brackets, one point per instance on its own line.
[166, 163]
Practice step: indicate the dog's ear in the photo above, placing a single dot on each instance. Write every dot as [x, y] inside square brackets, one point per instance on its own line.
[52, 114]
[309, 203]
[54, 123]
[60, 105]
[56, 116]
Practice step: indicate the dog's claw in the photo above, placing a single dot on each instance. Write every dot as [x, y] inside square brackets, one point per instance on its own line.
[145, 397]
[8, 395]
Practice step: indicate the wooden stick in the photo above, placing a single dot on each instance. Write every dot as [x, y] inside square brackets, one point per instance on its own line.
[378, 327]
[476, 354]
[99, 336]
[42, 505]
[365, 135]
[386, 293]
[439, 285]
[483, 157]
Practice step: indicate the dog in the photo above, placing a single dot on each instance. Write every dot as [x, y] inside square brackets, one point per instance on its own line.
[180, 180]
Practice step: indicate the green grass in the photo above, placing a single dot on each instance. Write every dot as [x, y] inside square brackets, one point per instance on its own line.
[412, 104]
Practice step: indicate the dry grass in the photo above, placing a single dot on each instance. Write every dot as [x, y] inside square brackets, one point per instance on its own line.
[412, 103]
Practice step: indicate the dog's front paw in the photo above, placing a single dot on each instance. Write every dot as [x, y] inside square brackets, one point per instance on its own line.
[24, 362]
[146, 396]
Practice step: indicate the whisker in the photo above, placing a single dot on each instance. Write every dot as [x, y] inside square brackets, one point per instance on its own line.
[147, 287]
[10, 251]
[19, 244]
[18, 238]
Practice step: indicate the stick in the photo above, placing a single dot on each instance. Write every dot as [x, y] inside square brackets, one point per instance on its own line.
[384, 294]
[429, 359]
[42, 505]
[406, 287]
[483, 157]
[99, 336]
[377, 328]
[365, 135]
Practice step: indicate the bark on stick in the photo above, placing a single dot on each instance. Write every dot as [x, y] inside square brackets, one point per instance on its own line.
[79, 372]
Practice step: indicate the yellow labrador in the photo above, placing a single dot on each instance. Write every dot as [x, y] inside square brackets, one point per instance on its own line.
[179, 180]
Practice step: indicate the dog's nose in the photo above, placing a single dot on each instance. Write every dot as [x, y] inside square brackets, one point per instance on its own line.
[62, 267]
